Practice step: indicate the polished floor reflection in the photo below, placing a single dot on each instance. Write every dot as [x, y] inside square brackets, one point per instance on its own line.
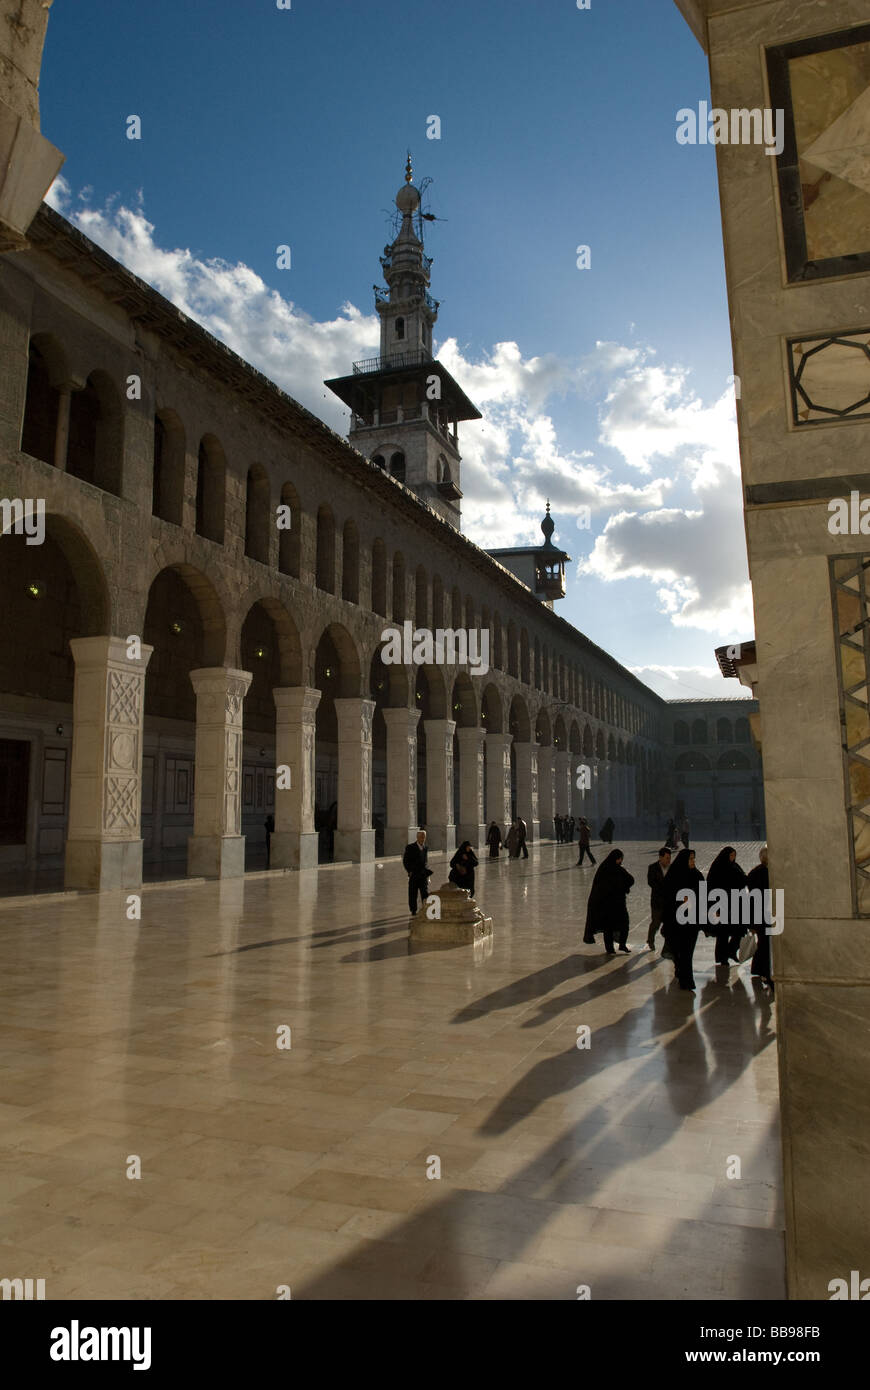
[313, 1167]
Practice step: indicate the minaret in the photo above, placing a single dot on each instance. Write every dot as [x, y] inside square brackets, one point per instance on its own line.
[540, 567]
[405, 407]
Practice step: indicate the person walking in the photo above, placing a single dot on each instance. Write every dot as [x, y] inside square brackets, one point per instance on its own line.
[655, 877]
[523, 829]
[681, 937]
[572, 824]
[671, 835]
[759, 877]
[726, 873]
[493, 839]
[414, 859]
[462, 867]
[684, 832]
[607, 830]
[557, 827]
[583, 837]
[607, 910]
[512, 841]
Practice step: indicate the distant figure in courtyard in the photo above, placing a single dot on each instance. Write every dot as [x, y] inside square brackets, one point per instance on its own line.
[462, 867]
[607, 911]
[607, 830]
[727, 874]
[671, 834]
[524, 831]
[681, 937]
[493, 839]
[655, 877]
[512, 841]
[557, 828]
[684, 832]
[414, 859]
[583, 837]
[759, 877]
[571, 825]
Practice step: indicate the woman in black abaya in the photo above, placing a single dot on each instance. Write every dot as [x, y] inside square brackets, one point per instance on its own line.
[607, 911]
[727, 874]
[680, 937]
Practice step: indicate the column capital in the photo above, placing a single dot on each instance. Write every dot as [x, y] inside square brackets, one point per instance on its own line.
[403, 719]
[214, 680]
[93, 653]
[506, 740]
[471, 735]
[296, 702]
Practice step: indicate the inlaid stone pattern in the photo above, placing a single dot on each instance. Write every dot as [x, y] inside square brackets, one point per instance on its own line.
[232, 818]
[830, 378]
[121, 799]
[412, 777]
[852, 617]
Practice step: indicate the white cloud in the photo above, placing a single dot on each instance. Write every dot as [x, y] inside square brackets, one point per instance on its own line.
[679, 526]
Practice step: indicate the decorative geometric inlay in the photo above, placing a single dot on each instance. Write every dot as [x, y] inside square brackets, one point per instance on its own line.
[122, 752]
[851, 592]
[830, 378]
[124, 694]
[122, 803]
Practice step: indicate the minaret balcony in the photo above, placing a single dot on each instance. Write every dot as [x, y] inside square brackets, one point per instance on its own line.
[414, 358]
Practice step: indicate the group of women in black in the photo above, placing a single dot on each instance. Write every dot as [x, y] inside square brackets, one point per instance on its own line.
[607, 910]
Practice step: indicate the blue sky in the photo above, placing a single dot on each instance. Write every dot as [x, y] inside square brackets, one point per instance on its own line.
[263, 126]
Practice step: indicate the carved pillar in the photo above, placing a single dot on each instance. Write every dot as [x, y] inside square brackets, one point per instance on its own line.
[440, 828]
[498, 779]
[546, 788]
[294, 839]
[401, 827]
[104, 842]
[216, 849]
[527, 787]
[471, 823]
[354, 833]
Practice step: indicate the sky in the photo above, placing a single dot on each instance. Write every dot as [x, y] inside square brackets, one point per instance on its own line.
[606, 389]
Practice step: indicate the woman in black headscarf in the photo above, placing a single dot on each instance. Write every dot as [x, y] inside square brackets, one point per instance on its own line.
[462, 867]
[727, 874]
[607, 911]
[493, 839]
[606, 831]
[680, 937]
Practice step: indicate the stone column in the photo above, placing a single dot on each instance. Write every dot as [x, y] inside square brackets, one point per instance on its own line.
[564, 794]
[401, 827]
[441, 828]
[498, 779]
[354, 833]
[216, 849]
[294, 839]
[527, 787]
[546, 789]
[471, 823]
[104, 840]
[61, 437]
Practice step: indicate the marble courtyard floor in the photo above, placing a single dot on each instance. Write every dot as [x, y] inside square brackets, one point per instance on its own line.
[307, 1167]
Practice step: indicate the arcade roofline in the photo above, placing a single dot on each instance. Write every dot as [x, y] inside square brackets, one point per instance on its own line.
[53, 235]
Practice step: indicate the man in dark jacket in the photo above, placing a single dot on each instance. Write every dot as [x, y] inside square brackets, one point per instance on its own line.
[759, 877]
[524, 831]
[414, 860]
[655, 877]
[584, 842]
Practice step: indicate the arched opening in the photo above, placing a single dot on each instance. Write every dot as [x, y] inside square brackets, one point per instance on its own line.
[681, 731]
[692, 762]
[325, 561]
[741, 731]
[398, 587]
[257, 515]
[167, 482]
[350, 562]
[733, 762]
[379, 578]
[290, 532]
[46, 372]
[184, 623]
[96, 434]
[379, 461]
[211, 482]
[400, 329]
[52, 593]
[336, 676]
[397, 466]
[724, 732]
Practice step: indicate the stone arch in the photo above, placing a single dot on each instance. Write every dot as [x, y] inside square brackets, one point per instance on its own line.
[733, 762]
[350, 562]
[257, 514]
[600, 746]
[699, 731]
[324, 571]
[575, 743]
[430, 694]
[185, 624]
[491, 710]
[167, 479]
[543, 729]
[47, 372]
[290, 537]
[588, 742]
[211, 483]
[289, 663]
[692, 762]
[519, 720]
[742, 731]
[95, 448]
[560, 734]
[611, 748]
[463, 703]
